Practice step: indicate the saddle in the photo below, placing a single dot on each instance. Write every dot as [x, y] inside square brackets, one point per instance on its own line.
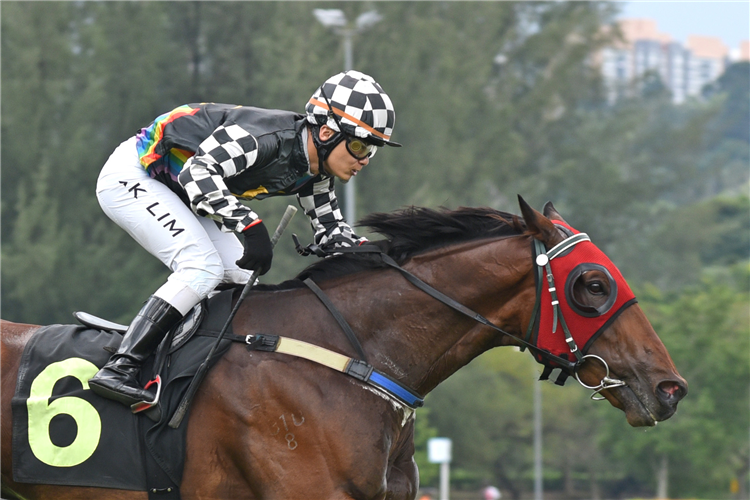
[180, 334]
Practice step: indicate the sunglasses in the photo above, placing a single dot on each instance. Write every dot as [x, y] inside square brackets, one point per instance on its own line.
[356, 147]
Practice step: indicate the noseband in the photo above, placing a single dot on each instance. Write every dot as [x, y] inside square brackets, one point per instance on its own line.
[542, 260]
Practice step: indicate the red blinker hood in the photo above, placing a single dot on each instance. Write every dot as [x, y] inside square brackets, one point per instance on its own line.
[584, 323]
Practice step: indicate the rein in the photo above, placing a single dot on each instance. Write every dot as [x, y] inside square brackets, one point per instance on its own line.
[542, 260]
[457, 306]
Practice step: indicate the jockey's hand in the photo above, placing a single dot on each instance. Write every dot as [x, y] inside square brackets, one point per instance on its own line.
[258, 249]
[341, 241]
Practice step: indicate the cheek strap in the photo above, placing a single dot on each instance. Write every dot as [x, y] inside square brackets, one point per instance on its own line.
[542, 261]
[324, 148]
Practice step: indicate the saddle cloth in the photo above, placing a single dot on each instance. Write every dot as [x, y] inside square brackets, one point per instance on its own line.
[64, 434]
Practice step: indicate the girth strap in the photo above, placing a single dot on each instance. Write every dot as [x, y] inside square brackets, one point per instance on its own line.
[353, 367]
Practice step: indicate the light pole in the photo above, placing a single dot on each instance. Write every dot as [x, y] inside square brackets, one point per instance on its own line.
[336, 20]
[538, 484]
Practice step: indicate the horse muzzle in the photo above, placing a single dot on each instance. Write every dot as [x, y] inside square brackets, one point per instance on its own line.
[670, 392]
[648, 407]
[642, 407]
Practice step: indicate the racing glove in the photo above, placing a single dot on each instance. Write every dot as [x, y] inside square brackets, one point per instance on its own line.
[258, 249]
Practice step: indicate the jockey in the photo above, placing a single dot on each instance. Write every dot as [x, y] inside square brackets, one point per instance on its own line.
[207, 156]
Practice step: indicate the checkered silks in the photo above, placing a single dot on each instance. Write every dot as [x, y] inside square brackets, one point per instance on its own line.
[322, 207]
[227, 152]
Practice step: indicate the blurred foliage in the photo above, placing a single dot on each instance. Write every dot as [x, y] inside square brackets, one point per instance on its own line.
[589, 449]
[492, 99]
[705, 327]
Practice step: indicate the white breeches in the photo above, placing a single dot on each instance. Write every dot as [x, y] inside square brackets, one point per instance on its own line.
[198, 253]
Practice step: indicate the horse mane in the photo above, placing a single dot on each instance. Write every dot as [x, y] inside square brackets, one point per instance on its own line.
[410, 231]
[414, 230]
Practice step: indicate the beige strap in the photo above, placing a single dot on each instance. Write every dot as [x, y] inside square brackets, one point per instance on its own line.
[313, 353]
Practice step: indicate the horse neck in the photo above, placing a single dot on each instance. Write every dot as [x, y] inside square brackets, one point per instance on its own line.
[420, 341]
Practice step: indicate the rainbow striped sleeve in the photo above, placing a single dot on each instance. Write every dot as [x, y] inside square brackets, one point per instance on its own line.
[149, 137]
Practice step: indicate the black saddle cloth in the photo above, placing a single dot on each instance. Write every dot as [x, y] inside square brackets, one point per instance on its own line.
[64, 434]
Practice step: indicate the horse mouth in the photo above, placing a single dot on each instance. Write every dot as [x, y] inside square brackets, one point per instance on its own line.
[637, 412]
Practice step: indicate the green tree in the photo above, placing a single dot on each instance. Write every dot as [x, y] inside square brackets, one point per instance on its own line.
[485, 408]
[705, 329]
[480, 95]
[682, 242]
[724, 164]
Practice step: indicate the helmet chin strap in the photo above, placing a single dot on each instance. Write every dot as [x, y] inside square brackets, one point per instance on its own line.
[324, 148]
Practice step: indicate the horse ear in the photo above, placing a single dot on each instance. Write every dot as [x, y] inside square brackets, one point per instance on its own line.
[551, 212]
[539, 226]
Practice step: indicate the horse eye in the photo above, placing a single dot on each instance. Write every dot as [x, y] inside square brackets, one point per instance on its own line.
[590, 289]
[596, 288]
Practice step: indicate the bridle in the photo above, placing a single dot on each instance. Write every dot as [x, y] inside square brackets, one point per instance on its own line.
[542, 259]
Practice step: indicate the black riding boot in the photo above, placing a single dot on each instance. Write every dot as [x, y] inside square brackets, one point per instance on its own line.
[118, 379]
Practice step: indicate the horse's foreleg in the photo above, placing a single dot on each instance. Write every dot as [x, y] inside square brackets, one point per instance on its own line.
[403, 481]
[403, 476]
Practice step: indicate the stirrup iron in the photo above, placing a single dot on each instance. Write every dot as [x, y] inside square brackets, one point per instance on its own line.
[146, 405]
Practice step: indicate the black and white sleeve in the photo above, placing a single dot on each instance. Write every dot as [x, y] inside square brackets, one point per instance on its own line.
[228, 150]
[322, 207]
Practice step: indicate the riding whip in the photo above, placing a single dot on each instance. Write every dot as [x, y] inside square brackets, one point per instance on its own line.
[179, 414]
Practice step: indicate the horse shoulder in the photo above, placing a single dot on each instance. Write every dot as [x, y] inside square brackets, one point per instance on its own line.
[276, 425]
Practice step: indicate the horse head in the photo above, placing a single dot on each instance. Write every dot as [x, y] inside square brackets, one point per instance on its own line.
[621, 356]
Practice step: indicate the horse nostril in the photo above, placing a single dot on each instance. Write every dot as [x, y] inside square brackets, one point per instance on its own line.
[671, 391]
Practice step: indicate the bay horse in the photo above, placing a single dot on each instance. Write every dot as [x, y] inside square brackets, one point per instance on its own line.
[272, 426]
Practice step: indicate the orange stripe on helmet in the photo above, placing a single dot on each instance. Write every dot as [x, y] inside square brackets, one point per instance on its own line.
[349, 117]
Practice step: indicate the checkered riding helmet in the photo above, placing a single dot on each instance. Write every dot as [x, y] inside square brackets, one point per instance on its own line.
[361, 106]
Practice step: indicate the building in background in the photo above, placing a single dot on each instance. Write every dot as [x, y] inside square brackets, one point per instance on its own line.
[708, 58]
[645, 51]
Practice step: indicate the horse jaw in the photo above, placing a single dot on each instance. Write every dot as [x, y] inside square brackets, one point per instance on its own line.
[636, 413]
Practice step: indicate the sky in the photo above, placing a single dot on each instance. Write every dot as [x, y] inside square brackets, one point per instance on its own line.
[728, 20]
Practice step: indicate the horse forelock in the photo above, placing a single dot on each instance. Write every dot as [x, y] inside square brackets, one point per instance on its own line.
[413, 230]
